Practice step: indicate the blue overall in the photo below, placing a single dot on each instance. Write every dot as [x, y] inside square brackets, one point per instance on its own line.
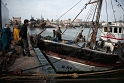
[5, 39]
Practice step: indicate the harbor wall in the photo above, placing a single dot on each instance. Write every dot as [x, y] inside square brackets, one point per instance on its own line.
[4, 15]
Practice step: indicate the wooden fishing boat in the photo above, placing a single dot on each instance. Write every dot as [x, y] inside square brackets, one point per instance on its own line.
[67, 58]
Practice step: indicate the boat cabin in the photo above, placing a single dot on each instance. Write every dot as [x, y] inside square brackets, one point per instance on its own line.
[113, 31]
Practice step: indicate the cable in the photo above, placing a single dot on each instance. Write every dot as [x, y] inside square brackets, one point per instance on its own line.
[113, 10]
[69, 9]
[107, 17]
[92, 21]
[89, 12]
[119, 4]
[109, 72]
[114, 16]
[77, 15]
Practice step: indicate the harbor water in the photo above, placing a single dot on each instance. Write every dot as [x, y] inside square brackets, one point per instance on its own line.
[69, 34]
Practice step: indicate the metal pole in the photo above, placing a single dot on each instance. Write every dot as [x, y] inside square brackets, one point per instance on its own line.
[0, 16]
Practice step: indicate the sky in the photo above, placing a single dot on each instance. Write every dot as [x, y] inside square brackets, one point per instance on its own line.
[53, 9]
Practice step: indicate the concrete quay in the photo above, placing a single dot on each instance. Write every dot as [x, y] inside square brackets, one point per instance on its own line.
[25, 62]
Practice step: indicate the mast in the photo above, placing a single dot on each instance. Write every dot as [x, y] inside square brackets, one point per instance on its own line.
[99, 10]
[0, 16]
[96, 25]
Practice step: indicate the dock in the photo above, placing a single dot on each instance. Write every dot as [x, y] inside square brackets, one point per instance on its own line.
[25, 63]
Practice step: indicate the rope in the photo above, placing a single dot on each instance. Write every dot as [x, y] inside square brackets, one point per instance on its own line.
[113, 10]
[106, 12]
[119, 5]
[86, 18]
[69, 9]
[89, 13]
[114, 16]
[92, 21]
[77, 15]
[107, 17]
[6, 76]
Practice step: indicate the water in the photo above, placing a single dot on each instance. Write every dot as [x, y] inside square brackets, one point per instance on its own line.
[69, 34]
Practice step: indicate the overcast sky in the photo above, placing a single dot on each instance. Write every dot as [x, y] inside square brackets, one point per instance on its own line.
[53, 9]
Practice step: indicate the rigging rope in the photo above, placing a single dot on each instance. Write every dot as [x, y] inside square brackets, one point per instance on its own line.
[113, 10]
[77, 15]
[86, 18]
[89, 13]
[106, 12]
[114, 16]
[69, 10]
[107, 17]
[92, 21]
[119, 4]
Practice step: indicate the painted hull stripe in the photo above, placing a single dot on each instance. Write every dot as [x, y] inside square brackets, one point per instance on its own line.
[112, 38]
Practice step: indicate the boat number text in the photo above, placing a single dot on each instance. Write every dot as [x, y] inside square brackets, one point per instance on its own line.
[66, 67]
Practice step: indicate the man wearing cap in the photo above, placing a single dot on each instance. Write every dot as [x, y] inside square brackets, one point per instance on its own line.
[23, 37]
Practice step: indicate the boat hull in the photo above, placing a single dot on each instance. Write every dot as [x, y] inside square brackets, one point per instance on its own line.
[69, 58]
[79, 53]
[67, 66]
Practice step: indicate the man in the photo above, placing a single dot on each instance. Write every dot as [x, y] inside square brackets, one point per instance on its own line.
[79, 37]
[16, 30]
[80, 34]
[23, 37]
[58, 34]
[54, 33]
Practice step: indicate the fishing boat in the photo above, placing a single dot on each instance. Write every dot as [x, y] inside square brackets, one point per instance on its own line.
[66, 58]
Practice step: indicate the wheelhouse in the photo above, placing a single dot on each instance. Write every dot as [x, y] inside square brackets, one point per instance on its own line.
[114, 32]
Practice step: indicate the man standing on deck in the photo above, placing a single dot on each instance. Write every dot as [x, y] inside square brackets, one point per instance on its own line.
[58, 34]
[24, 38]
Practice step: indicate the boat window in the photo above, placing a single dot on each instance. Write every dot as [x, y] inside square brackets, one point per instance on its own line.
[110, 29]
[105, 29]
[120, 30]
[115, 30]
